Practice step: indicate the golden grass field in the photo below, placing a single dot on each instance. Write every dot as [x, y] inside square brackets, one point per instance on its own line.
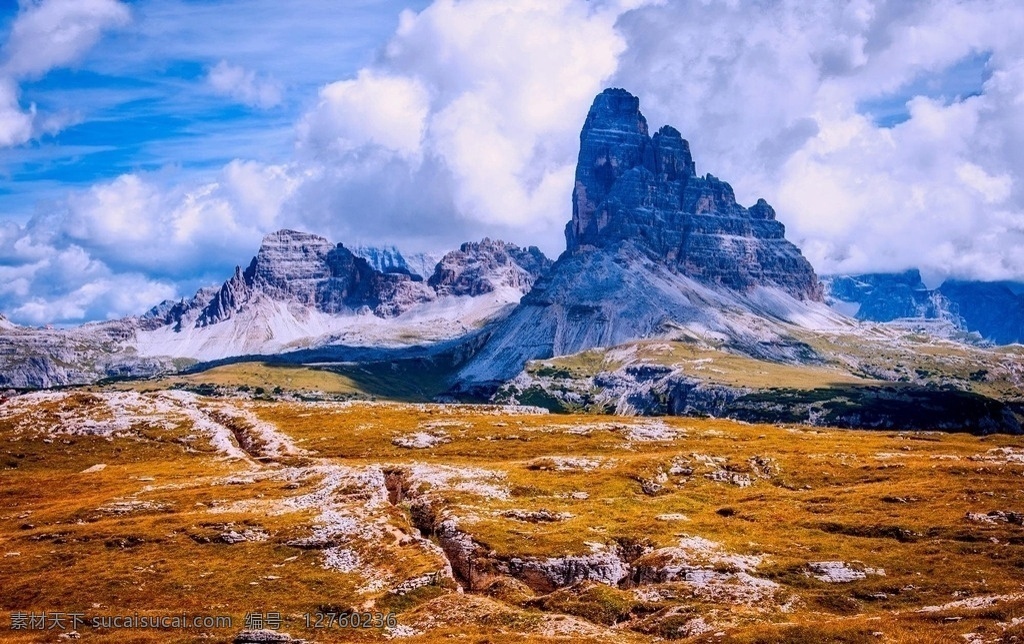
[722, 529]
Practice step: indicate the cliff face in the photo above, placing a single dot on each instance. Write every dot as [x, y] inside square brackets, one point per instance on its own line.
[310, 271]
[644, 189]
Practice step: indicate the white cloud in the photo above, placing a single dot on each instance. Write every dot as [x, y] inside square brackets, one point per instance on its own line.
[372, 109]
[15, 124]
[482, 98]
[467, 122]
[101, 298]
[244, 85]
[54, 33]
[137, 224]
[119, 247]
[59, 285]
[47, 34]
[769, 102]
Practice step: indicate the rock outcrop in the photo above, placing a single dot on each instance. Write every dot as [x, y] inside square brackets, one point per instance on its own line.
[45, 357]
[631, 186]
[312, 272]
[482, 267]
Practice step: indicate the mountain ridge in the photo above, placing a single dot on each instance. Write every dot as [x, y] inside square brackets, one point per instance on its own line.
[300, 291]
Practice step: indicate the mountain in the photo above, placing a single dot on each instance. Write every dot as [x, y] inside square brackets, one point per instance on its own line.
[483, 267]
[300, 291]
[631, 186]
[388, 259]
[993, 310]
[653, 246]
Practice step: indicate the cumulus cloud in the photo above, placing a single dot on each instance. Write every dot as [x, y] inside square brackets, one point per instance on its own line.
[475, 105]
[53, 33]
[44, 283]
[769, 100]
[467, 121]
[15, 124]
[370, 110]
[244, 85]
[117, 248]
[47, 34]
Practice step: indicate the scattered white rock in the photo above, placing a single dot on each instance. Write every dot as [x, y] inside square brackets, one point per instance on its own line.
[565, 464]
[132, 505]
[341, 559]
[981, 601]
[738, 479]
[536, 516]
[1002, 455]
[651, 431]
[401, 631]
[421, 440]
[840, 572]
[99, 467]
[233, 537]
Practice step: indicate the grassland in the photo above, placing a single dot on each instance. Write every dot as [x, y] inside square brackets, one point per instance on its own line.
[723, 531]
[412, 381]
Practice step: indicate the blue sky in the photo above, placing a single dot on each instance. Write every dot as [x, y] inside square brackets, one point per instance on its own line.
[146, 146]
[963, 79]
[138, 101]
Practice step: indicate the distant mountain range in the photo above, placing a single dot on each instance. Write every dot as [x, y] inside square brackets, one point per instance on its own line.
[299, 292]
[654, 251]
[992, 310]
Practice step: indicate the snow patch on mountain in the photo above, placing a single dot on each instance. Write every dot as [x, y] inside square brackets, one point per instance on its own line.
[269, 326]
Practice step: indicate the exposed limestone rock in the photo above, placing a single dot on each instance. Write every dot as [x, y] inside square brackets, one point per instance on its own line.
[313, 272]
[261, 636]
[481, 267]
[840, 572]
[544, 575]
[630, 186]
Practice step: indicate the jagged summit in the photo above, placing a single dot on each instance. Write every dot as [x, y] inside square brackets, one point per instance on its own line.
[631, 187]
[308, 270]
[652, 246]
[301, 290]
[485, 266]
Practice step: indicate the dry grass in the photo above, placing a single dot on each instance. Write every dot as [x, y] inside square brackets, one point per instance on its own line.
[250, 375]
[892, 501]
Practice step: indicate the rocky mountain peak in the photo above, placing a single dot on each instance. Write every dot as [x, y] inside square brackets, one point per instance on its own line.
[485, 266]
[642, 190]
[290, 264]
[615, 109]
[306, 271]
